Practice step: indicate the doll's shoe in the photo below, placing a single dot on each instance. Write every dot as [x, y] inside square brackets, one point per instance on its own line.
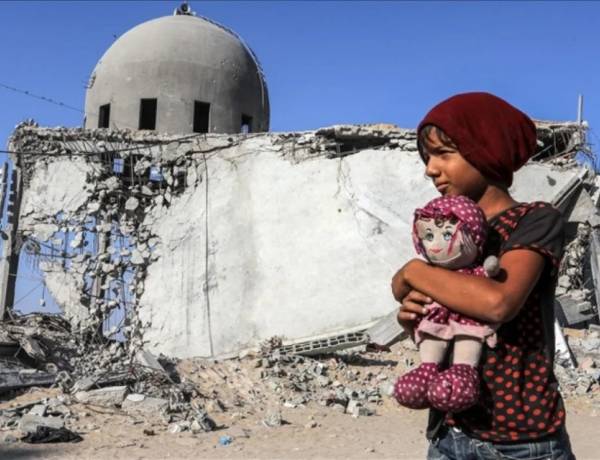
[411, 389]
[455, 389]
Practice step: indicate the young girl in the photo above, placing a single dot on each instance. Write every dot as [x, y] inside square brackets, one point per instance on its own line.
[471, 144]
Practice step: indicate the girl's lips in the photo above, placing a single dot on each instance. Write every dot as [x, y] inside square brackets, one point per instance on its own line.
[441, 187]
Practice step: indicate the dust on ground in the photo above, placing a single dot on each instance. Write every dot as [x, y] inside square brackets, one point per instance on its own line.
[246, 392]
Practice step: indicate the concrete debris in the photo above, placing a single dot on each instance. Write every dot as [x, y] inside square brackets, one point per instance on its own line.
[178, 427]
[39, 410]
[273, 419]
[138, 403]
[386, 331]
[29, 423]
[106, 397]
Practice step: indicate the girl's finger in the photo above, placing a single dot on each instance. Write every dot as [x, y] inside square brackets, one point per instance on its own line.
[418, 297]
[414, 307]
[406, 316]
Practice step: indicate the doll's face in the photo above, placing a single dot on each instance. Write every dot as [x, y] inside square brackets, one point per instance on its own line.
[436, 236]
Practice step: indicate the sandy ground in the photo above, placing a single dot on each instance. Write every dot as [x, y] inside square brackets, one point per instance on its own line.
[393, 432]
[312, 431]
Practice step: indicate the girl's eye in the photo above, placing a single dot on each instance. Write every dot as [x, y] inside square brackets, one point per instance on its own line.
[447, 236]
[428, 237]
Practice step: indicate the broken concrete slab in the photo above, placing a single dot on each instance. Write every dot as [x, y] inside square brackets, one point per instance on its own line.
[571, 312]
[386, 331]
[106, 397]
[139, 403]
[39, 410]
[29, 423]
[12, 379]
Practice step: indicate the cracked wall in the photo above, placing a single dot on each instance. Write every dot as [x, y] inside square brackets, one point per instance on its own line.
[213, 243]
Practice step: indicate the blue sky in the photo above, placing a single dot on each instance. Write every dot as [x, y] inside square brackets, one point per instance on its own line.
[329, 62]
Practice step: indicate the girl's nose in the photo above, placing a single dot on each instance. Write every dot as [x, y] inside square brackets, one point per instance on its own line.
[431, 169]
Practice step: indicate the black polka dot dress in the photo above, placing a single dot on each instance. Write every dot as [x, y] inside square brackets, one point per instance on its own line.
[519, 399]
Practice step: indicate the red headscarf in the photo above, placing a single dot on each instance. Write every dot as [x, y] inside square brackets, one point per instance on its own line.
[492, 135]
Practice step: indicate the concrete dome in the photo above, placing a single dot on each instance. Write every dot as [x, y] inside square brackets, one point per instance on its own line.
[192, 75]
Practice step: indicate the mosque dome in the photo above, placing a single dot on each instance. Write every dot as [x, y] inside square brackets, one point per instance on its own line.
[178, 74]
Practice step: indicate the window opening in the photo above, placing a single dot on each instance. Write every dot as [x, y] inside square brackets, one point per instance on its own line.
[246, 124]
[104, 116]
[201, 116]
[148, 114]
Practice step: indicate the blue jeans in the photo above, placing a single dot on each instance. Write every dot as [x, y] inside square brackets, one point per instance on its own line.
[453, 444]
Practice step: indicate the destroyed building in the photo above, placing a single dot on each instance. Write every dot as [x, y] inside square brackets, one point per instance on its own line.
[209, 244]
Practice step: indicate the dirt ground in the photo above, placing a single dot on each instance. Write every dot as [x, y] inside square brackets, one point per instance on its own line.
[310, 432]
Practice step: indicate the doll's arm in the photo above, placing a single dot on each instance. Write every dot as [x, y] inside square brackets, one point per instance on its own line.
[491, 266]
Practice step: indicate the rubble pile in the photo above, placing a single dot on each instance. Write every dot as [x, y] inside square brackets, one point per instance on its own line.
[351, 382]
[584, 379]
[571, 276]
[558, 143]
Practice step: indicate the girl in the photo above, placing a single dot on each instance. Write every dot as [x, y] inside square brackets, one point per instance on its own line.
[471, 144]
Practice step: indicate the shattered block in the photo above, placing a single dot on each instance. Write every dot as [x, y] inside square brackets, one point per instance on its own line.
[29, 423]
[107, 397]
[139, 403]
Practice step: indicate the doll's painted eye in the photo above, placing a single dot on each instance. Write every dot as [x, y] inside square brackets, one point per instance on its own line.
[428, 237]
[447, 236]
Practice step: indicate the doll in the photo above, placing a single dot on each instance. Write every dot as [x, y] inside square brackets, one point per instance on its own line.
[450, 232]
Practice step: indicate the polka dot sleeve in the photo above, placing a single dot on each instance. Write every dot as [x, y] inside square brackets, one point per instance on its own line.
[540, 229]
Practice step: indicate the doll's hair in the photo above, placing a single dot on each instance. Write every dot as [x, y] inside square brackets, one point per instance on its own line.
[471, 219]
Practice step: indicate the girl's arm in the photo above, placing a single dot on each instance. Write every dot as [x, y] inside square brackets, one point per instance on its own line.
[492, 300]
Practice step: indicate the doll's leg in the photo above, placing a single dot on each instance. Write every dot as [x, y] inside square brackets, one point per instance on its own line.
[411, 389]
[457, 388]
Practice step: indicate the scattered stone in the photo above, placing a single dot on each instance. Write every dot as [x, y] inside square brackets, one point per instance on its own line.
[105, 397]
[311, 424]
[591, 344]
[202, 422]
[39, 409]
[273, 419]
[139, 403]
[179, 427]
[132, 204]
[357, 409]
[29, 423]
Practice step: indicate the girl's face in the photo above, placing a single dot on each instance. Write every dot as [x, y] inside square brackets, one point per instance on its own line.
[450, 172]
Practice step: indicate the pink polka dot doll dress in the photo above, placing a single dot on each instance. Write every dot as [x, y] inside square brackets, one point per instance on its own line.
[450, 232]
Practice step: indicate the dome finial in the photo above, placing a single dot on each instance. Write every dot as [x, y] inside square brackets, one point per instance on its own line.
[184, 9]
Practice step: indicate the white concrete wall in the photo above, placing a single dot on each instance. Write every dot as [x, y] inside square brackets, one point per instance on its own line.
[294, 248]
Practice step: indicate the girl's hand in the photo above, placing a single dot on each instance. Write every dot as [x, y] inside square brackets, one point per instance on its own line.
[414, 304]
[400, 286]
